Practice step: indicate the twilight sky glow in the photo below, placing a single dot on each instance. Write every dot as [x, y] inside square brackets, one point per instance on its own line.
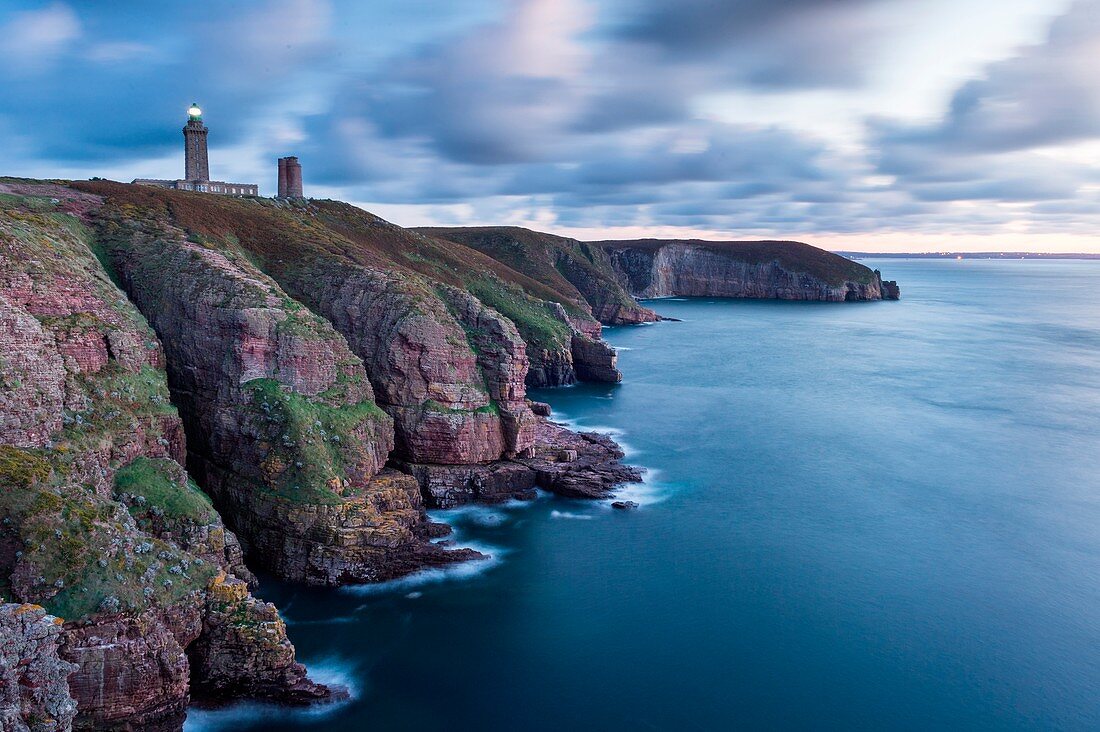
[888, 125]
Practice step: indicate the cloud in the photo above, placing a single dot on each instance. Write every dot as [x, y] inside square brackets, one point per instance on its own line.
[33, 39]
[583, 113]
[994, 140]
[119, 89]
[1045, 95]
[760, 43]
[501, 93]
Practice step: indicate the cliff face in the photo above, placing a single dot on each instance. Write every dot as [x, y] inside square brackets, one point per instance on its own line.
[190, 382]
[100, 524]
[582, 284]
[34, 693]
[578, 273]
[284, 431]
[763, 270]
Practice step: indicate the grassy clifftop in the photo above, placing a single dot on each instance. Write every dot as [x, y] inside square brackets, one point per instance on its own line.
[793, 256]
[281, 235]
[576, 272]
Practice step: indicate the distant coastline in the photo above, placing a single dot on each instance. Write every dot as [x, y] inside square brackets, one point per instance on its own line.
[964, 255]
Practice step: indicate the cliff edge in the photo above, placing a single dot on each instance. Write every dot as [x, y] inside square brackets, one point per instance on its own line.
[779, 270]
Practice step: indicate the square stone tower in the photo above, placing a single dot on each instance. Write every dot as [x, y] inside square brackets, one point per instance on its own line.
[196, 161]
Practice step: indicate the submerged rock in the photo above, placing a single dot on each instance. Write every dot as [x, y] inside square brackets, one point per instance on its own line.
[541, 409]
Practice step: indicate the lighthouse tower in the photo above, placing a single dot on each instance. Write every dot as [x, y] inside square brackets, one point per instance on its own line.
[196, 165]
[196, 162]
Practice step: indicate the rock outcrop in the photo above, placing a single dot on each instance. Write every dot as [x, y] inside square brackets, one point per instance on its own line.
[132, 671]
[284, 431]
[594, 360]
[583, 292]
[243, 651]
[100, 524]
[570, 464]
[578, 273]
[34, 691]
[764, 270]
[190, 382]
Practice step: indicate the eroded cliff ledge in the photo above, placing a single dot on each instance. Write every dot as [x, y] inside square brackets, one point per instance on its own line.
[782, 270]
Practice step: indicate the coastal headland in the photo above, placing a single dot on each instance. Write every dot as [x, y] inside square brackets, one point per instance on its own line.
[197, 386]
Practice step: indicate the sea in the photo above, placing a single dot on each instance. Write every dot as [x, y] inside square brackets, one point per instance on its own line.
[856, 516]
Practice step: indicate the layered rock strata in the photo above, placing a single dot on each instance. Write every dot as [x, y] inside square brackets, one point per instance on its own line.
[284, 431]
[763, 270]
[568, 463]
[100, 524]
[34, 691]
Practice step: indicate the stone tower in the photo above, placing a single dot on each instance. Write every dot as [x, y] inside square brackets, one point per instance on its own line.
[290, 178]
[196, 162]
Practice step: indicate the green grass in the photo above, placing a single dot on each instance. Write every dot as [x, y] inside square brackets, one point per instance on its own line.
[21, 468]
[533, 318]
[123, 402]
[80, 554]
[153, 480]
[309, 456]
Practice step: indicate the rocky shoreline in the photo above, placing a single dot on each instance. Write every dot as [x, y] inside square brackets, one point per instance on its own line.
[195, 385]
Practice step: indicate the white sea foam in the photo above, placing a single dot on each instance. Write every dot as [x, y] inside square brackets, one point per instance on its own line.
[570, 515]
[482, 515]
[435, 575]
[650, 491]
[333, 672]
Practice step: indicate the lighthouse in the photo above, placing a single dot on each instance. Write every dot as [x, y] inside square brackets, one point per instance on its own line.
[196, 163]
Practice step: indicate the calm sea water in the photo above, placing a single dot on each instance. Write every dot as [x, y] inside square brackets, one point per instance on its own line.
[858, 516]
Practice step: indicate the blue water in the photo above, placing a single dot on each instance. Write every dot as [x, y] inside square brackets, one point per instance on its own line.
[858, 516]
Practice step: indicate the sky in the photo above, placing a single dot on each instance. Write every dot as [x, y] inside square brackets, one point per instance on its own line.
[868, 125]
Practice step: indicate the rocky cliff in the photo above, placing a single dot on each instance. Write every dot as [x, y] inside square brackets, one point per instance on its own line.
[100, 525]
[34, 692]
[781, 270]
[580, 281]
[191, 385]
[283, 427]
[580, 274]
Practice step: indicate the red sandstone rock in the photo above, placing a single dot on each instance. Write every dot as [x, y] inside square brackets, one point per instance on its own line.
[34, 694]
[449, 404]
[82, 378]
[243, 651]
